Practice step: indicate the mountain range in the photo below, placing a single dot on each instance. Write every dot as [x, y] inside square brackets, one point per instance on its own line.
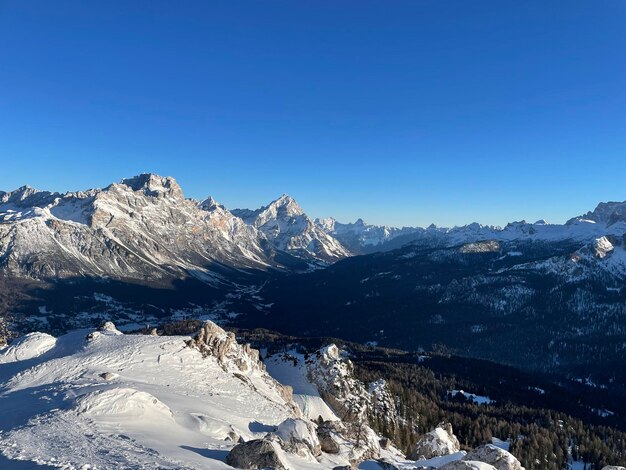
[543, 296]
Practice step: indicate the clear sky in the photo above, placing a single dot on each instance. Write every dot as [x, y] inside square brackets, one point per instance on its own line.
[400, 112]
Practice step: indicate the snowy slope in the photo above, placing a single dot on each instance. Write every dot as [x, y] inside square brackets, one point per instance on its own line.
[164, 405]
[101, 399]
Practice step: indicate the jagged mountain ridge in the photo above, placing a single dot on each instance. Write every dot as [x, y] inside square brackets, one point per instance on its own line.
[141, 229]
[362, 238]
[285, 223]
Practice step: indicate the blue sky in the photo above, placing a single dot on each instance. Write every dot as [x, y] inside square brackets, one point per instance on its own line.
[401, 112]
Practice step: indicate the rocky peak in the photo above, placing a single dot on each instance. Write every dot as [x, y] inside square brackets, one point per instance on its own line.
[154, 185]
[286, 205]
[327, 224]
[210, 204]
[609, 212]
[287, 226]
[26, 196]
[602, 247]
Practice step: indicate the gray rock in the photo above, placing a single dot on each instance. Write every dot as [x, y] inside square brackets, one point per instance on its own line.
[256, 455]
[329, 433]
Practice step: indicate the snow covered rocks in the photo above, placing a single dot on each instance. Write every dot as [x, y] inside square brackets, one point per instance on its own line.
[167, 405]
[292, 437]
[288, 228]
[438, 442]
[124, 403]
[27, 347]
[499, 458]
[298, 433]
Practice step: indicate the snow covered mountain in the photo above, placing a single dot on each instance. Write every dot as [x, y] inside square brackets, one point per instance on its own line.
[141, 229]
[360, 237]
[288, 227]
[607, 219]
[608, 213]
[101, 399]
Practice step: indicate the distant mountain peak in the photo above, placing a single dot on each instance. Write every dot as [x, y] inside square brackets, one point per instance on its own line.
[154, 185]
[209, 204]
[608, 212]
[286, 203]
[286, 224]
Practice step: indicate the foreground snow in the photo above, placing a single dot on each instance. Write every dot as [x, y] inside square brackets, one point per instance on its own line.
[101, 399]
[164, 405]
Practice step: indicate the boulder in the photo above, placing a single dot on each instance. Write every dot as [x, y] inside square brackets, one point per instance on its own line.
[329, 434]
[613, 467]
[256, 454]
[499, 458]
[298, 435]
[438, 442]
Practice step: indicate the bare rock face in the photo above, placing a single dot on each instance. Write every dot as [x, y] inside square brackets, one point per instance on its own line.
[438, 442]
[299, 437]
[499, 458]
[256, 454]
[141, 229]
[214, 341]
[329, 434]
[467, 465]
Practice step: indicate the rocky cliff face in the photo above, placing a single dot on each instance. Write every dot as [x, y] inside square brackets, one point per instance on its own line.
[140, 229]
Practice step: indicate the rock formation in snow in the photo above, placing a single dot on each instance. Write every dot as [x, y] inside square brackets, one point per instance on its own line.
[499, 458]
[436, 443]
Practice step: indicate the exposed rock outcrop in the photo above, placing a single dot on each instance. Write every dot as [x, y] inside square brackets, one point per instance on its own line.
[215, 342]
[299, 435]
[499, 458]
[257, 454]
[436, 443]
[329, 436]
